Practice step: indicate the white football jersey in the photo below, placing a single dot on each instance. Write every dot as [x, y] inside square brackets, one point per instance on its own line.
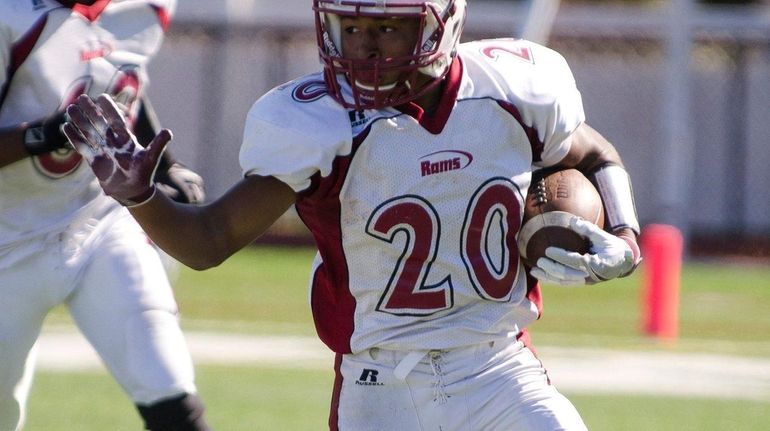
[50, 54]
[415, 216]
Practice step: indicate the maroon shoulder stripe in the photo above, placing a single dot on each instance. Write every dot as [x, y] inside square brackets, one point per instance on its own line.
[163, 16]
[534, 140]
[20, 51]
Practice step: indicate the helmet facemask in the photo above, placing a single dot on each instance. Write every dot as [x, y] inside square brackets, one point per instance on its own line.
[440, 25]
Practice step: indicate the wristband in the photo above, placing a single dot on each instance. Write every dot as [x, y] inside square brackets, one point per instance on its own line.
[139, 200]
[636, 253]
[34, 141]
[45, 136]
[614, 186]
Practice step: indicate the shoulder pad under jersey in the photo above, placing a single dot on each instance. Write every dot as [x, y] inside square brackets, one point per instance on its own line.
[294, 131]
[535, 80]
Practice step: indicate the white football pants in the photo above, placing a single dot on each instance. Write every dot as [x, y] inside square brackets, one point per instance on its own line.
[110, 277]
[499, 386]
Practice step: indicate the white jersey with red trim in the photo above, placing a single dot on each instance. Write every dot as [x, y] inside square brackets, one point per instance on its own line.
[42, 71]
[416, 215]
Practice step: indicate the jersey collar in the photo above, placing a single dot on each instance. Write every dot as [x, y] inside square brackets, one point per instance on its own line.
[435, 121]
[92, 12]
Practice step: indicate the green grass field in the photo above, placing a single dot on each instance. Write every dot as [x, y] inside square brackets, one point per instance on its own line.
[724, 310]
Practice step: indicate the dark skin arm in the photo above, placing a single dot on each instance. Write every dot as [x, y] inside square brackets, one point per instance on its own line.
[12, 143]
[202, 237]
[590, 150]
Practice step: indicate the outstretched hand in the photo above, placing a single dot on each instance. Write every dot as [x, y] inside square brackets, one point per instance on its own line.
[99, 132]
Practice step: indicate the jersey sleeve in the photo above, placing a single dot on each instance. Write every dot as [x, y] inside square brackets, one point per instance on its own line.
[293, 140]
[538, 82]
[558, 107]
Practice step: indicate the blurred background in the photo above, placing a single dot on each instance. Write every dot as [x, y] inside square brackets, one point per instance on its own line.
[681, 87]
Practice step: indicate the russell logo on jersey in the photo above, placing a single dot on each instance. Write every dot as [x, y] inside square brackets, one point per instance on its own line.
[444, 161]
[369, 378]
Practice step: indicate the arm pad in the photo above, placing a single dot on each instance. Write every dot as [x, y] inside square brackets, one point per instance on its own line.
[44, 136]
[614, 186]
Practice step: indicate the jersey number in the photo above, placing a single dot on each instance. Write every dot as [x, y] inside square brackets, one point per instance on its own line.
[495, 206]
[124, 87]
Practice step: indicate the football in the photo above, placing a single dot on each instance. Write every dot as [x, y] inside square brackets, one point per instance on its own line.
[552, 199]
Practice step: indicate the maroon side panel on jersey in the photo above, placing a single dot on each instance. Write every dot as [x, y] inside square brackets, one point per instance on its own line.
[332, 302]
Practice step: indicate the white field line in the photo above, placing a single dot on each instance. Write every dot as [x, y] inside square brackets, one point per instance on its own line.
[571, 370]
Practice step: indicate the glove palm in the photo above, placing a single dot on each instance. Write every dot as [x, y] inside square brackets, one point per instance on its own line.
[125, 169]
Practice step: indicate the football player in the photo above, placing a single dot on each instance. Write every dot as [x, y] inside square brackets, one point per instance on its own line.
[62, 241]
[408, 158]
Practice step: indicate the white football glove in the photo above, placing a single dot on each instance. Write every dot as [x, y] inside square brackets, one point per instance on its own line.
[609, 257]
[552, 272]
[125, 169]
[181, 184]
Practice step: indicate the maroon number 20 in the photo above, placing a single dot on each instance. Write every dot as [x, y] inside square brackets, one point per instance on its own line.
[496, 203]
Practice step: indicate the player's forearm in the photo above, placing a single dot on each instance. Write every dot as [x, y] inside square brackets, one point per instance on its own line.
[12, 144]
[32, 138]
[204, 236]
[186, 232]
